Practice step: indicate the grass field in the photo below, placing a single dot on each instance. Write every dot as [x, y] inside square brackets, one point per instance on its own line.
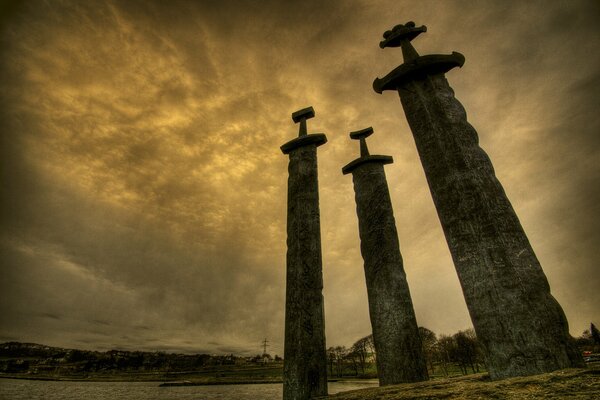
[573, 384]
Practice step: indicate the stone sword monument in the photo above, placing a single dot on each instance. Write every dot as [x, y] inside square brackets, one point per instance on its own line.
[305, 364]
[521, 326]
[395, 331]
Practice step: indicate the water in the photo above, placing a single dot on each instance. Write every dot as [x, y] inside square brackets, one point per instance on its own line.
[18, 389]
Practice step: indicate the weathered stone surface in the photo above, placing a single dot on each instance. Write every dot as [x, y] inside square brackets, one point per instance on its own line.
[395, 331]
[305, 365]
[520, 325]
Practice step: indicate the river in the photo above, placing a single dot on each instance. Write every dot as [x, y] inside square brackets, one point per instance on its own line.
[20, 389]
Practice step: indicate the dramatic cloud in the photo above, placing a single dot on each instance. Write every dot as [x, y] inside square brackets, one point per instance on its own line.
[143, 191]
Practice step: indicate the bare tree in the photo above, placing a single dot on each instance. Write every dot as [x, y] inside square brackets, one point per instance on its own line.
[360, 350]
[338, 355]
[428, 341]
[595, 334]
[446, 348]
[331, 361]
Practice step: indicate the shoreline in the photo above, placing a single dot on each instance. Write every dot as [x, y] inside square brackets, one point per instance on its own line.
[72, 379]
[177, 384]
[163, 382]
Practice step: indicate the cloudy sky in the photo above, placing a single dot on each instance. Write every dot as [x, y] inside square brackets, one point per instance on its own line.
[143, 192]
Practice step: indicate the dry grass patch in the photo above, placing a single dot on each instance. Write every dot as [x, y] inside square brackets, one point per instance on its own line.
[563, 384]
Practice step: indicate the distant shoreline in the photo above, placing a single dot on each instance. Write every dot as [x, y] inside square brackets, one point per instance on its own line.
[127, 379]
[163, 383]
[176, 384]
[256, 382]
[73, 379]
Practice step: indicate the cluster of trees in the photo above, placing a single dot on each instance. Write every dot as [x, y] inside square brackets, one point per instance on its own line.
[358, 360]
[446, 352]
[444, 355]
[589, 341]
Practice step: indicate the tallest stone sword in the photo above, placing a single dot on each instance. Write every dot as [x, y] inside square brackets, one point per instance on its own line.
[521, 326]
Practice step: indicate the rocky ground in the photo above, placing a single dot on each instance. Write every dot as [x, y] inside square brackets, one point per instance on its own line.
[563, 384]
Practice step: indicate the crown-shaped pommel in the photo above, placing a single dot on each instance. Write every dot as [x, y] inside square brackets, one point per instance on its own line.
[301, 116]
[414, 66]
[400, 33]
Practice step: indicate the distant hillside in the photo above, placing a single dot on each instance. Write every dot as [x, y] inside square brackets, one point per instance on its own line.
[35, 360]
[17, 349]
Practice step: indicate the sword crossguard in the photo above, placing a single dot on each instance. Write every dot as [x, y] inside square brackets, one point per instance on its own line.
[365, 157]
[303, 139]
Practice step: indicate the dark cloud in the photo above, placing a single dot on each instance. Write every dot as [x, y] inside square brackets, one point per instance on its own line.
[143, 189]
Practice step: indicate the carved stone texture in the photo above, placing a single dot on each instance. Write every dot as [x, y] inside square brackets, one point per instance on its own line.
[305, 365]
[521, 326]
[395, 332]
